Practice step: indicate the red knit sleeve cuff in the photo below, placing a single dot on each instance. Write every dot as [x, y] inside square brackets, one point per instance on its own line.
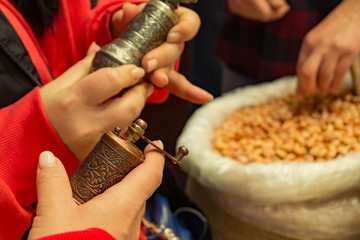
[27, 132]
[91, 233]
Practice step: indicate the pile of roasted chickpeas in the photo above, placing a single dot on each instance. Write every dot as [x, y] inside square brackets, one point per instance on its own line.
[316, 129]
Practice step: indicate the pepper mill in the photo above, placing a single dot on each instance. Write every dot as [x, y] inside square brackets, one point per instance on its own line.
[146, 31]
[113, 157]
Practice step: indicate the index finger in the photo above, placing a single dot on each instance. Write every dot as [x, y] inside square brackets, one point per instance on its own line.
[121, 19]
[277, 3]
[77, 71]
[141, 182]
[182, 88]
[187, 27]
[307, 73]
[105, 83]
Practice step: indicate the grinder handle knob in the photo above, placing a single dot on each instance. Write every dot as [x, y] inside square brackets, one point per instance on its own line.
[182, 152]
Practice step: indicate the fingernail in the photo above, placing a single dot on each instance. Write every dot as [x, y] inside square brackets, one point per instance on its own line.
[93, 48]
[149, 89]
[166, 80]
[46, 159]
[138, 73]
[173, 37]
[160, 144]
[211, 97]
[152, 65]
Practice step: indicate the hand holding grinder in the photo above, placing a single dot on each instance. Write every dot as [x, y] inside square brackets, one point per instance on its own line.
[115, 156]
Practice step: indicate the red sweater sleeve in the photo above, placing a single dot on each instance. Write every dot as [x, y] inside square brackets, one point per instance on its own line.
[91, 233]
[25, 132]
[75, 28]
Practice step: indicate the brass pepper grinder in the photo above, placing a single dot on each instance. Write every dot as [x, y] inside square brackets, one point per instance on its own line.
[146, 31]
[113, 157]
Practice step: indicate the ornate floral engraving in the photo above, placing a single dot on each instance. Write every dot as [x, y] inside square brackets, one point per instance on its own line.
[147, 31]
[101, 169]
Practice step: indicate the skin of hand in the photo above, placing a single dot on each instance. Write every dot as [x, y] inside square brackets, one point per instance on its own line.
[82, 106]
[328, 51]
[160, 62]
[118, 210]
[259, 10]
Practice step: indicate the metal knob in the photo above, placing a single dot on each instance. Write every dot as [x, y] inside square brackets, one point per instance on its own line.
[182, 152]
[136, 129]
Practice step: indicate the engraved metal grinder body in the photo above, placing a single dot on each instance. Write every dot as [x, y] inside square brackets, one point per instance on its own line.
[113, 157]
[146, 31]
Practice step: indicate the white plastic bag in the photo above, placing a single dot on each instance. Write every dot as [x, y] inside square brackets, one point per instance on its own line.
[289, 197]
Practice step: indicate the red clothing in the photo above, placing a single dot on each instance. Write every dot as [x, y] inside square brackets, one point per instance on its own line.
[70, 35]
[91, 233]
[25, 130]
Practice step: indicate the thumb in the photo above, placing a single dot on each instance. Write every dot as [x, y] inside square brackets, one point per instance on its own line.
[93, 48]
[281, 7]
[277, 3]
[52, 183]
[121, 19]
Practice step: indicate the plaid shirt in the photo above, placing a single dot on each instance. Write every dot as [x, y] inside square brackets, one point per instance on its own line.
[267, 51]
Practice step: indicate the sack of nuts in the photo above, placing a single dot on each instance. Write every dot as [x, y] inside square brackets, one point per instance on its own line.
[280, 164]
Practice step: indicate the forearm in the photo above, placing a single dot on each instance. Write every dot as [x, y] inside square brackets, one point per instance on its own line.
[26, 132]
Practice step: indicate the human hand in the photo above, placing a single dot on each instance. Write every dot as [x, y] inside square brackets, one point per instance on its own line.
[118, 210]
[82, 106]
[328, 51]
[160, 62]
[259, 10]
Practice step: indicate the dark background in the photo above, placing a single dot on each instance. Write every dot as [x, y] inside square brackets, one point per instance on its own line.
[166, 120]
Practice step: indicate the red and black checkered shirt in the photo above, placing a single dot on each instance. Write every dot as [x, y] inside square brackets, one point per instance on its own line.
[267, 51]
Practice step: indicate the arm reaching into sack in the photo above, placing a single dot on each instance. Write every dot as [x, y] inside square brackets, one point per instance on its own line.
[328, 50]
